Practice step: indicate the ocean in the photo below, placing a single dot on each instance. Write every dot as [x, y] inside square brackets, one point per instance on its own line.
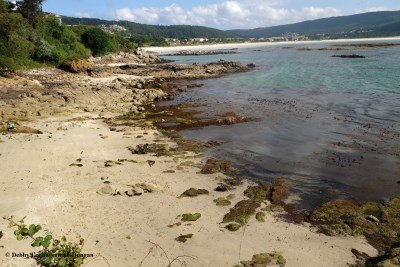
[329, 126]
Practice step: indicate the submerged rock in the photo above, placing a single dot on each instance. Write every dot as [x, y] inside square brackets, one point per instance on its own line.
[279, 190]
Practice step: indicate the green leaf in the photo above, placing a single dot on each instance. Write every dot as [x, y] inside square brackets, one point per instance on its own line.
[36, 243]
[63, 239]
[19, 237]
[46, 243]
[48, 238]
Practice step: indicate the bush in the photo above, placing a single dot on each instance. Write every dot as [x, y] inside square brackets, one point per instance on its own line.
[98, 41]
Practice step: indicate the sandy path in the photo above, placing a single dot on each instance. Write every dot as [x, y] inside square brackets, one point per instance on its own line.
[37, 182]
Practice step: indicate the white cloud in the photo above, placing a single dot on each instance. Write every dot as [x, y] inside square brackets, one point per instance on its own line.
[227, 14]
[82, 15]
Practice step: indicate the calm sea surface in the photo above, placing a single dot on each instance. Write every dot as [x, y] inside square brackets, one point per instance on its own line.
[330, 126]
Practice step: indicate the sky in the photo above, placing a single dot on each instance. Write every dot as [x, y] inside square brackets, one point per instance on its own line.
[221, 14]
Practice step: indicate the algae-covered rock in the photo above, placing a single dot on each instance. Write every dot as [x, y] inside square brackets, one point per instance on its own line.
[156, 149]
[258, 193]
[189, 217]
[241, 212]
[193, 192]
[379, 223]
[183, 238]
[233, 227]
[265, 259]
[260, 216]
[214, 166]
[221, 201]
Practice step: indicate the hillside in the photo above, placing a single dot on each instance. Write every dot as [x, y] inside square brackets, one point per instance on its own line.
[173, 31]
[383, 23]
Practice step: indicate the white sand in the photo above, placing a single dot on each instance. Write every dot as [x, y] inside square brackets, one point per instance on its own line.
[37, 182]
[172, 49]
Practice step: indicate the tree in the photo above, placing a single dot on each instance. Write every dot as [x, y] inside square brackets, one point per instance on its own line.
[30, 9]
[3, 6]
[98, 41]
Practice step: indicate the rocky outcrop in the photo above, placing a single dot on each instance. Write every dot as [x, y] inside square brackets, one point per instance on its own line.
[76, 65]
[139, 56]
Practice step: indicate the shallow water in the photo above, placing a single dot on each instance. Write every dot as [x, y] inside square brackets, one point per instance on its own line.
[331, 126]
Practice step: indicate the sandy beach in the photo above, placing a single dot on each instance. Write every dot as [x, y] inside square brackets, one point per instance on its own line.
[79, 178]
[172, 49]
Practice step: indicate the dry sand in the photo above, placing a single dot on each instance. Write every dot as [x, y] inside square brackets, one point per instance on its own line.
[37, 182]
[172, 49]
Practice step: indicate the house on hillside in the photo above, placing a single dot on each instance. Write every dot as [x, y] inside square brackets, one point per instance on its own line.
[52, 15]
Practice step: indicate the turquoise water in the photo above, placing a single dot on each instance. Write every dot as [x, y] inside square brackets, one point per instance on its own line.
[330, 126]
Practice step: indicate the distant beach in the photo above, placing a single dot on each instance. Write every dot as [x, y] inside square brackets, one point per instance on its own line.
[170, 49]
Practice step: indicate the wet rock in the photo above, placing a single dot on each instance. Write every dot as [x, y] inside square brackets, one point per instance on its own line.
[349, 56]
[222, 188]
[183, 238]
[193, 192]
[221, 201]
[241, 212]
[279, 190]
[189, 217]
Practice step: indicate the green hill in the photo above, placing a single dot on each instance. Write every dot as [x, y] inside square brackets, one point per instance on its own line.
[173, 31]
[383, 23]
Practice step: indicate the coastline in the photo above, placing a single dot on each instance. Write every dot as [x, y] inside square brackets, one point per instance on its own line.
[162, 50]
[69, 199]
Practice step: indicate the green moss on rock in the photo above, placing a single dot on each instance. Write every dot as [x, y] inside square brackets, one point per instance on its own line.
[241, 212]
[221, 201]
[189, 217]
[260, 216]
[233, 227]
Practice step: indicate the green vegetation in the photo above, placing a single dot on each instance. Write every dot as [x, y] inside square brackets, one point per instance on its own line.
[53, 252]
[28, 38]
[372, 24]
[137, 30]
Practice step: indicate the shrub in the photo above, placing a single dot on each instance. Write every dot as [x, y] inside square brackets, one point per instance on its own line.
[98, 41]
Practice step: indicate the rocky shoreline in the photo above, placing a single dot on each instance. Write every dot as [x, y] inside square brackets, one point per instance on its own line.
[122, 90]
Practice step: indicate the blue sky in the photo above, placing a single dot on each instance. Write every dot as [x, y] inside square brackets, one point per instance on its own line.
[221, 14]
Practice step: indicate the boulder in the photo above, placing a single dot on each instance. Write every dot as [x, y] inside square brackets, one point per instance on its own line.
[76, 65]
